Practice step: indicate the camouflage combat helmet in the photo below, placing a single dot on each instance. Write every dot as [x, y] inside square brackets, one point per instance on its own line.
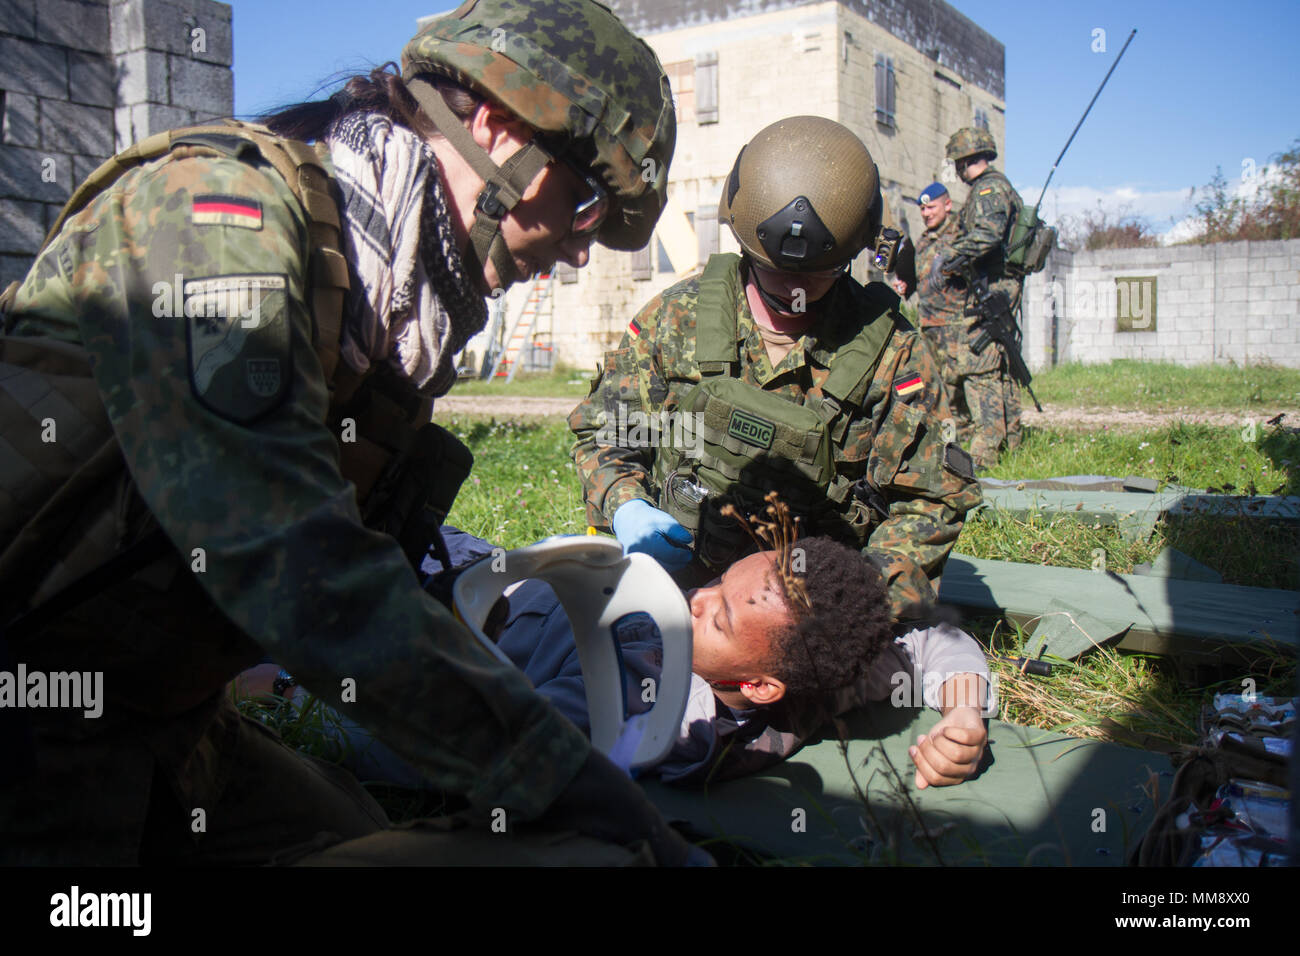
[970, 141]
[572, 70]
[803, 196]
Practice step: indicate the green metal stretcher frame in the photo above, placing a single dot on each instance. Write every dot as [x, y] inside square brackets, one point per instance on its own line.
[1196, 620]
[1041, 798]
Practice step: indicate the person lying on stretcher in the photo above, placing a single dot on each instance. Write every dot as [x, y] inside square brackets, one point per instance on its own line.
[769, 667]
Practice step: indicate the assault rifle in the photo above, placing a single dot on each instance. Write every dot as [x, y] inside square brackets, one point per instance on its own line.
[995, 323]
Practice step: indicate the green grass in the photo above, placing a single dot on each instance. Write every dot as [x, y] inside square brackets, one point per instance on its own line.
[1157, 386]
[1265, 460]
[1244, 550]
[523, 487]
[1142, 386]
[562, 382]
[1134, 699]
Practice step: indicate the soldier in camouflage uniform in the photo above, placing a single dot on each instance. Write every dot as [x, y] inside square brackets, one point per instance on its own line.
[198, 427]
[992, 397]
[780, 333]
[941, 306]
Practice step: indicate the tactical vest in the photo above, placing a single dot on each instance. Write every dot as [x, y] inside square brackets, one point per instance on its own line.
[740, 442]
[47, 490]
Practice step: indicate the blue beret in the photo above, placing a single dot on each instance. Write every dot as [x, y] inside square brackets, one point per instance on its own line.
[930, 193]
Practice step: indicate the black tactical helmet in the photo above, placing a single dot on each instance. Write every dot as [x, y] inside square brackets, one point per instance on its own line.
[803, 196]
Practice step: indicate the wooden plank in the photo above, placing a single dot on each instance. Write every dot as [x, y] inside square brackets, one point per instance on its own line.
[1195, 619]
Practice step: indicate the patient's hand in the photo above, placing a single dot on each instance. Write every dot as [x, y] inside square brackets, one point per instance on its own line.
[951, 751]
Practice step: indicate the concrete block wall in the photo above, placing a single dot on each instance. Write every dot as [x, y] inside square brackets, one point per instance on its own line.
[82, 79]
[1227, 302]
[173, 61]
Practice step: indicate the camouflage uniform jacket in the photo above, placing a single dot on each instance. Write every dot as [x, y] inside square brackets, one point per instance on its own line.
[985, 226]
[893, 438]
[939, 301]
[271, 555]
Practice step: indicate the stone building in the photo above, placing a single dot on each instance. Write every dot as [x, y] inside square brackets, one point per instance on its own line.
[82, 79]
[902, 74]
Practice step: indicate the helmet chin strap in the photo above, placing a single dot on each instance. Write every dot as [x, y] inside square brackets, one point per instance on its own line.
[503, 186]
[772, 302]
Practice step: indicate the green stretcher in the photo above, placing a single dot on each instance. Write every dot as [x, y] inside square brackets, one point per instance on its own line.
[1041, 798]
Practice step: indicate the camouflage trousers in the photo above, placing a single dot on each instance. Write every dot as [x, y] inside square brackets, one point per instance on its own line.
[105, 798]
[448, 841]
[982, 398]
[939, 337]
[275, 805]
[991, 402]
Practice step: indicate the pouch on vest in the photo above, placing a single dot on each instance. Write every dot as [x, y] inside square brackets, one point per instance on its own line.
[738, 443]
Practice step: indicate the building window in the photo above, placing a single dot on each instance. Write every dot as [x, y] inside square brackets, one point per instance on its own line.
[885, 90]
[706, 232]
[566, 273]
[981, 119]
[706, 88]
[846, 46]
[641, 263]
[662, 262]
[681, 76]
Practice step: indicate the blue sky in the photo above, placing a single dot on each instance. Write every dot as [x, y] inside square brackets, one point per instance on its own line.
[1204, 84]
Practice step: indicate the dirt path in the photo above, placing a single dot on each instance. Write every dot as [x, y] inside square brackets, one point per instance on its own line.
[1060, 417]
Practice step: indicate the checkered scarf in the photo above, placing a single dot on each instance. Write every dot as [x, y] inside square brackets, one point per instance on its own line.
[413, 304]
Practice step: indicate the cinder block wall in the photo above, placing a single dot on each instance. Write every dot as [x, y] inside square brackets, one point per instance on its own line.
[81, 79]
[1227, 302]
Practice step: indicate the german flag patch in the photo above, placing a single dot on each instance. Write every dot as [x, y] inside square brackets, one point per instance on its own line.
[634, 328]
[986, 190]
[215, 210]
[908, 385]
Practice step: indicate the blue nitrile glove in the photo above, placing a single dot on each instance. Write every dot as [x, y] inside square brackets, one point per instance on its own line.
[640, 526]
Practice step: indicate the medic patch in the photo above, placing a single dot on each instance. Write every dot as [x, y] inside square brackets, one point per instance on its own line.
[634, 328]
[751, 429]
[908, 385]
[215, 210]
[237, 339]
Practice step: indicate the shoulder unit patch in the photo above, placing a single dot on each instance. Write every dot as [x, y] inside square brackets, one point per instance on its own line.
[237, 339]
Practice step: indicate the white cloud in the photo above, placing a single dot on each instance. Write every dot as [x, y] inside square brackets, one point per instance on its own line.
[1169, 212]
[1157, 207]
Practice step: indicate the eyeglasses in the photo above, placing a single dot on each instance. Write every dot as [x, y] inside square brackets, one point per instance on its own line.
[589, 215]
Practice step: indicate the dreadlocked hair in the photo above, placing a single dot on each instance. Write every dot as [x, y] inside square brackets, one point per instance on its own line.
[840, 617]
[833, 643]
